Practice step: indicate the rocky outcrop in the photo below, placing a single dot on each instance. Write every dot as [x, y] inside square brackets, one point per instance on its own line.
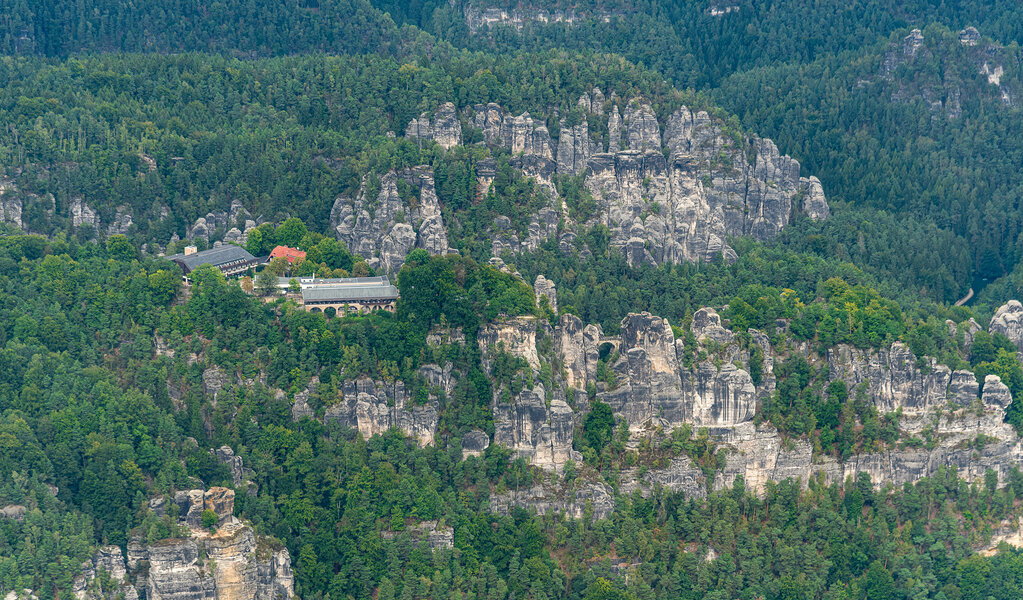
[1008, 321]
[578, 348]
[474, 443]
[373, 407]
[707, 327]
[435, 535]
[214, 380]
[573, 501]
[14, 512]
[654, 392]
[815, 205]
[519, 135]
[444, 128]
[593, 101]
[929, 70]
[712, 184]
[680, 476]
[536, 428]
[516, 336]
[653, 389]
[641, 127]
[108, 560]
[995, 394]
[229, 562]
[10, 203]
[544, 288]
[894, 380]
[240, 474]
[122, 222]
[685, 207]
[300, 407]
[82, 214]
[575, 146]
[481, 18]
[384, 228]
[206, 227]
[968, 329]
[536, 423]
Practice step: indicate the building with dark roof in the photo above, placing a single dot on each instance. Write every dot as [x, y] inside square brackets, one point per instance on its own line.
[352, 295]
[229, 259]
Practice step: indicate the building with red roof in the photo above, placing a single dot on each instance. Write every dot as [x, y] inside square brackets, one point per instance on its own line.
[291, 254]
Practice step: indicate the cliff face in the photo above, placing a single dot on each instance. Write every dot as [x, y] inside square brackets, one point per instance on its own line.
[653, 390]
[229, 563]
[373, 407]
[665, 198]
[384, 228]
[444, 128]
[535, 422]
[1008, 321]
[10, 204]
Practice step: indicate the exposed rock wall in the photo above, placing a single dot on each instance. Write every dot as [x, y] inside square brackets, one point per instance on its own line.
[575, 148]
[936, 80]
[573, 501]
[654, 389]
[82, 214]
[373, 407]
[384, 229]
[444, 128]
[228, 563]
[537, 423]
[10, 204]
[517, 134]
[665, 198]
[480, 18]
[1008, 321]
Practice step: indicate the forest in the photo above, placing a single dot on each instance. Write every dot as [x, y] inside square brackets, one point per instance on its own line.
[170, 111]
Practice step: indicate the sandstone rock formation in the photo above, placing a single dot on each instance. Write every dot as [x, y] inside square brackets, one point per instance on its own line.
[942, 88]
[10, 203]
[519, 135]
[660, 210]
[575, 146]
[474, 443]
[1008, 321]
[82, 214]
[373, 407]
[240, 474]
[229, 563]
[654, 391]
[15, 512]
[578, 347]
[544, 288]
[383, 229]
[480, 18]
[537, 423]
[207, 226]
[574, 501]
[444, 128]
[435, 535]
[681, 475]
[122, 221]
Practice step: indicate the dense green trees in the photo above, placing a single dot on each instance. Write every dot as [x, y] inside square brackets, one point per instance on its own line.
[102, 357]
[98, 396]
